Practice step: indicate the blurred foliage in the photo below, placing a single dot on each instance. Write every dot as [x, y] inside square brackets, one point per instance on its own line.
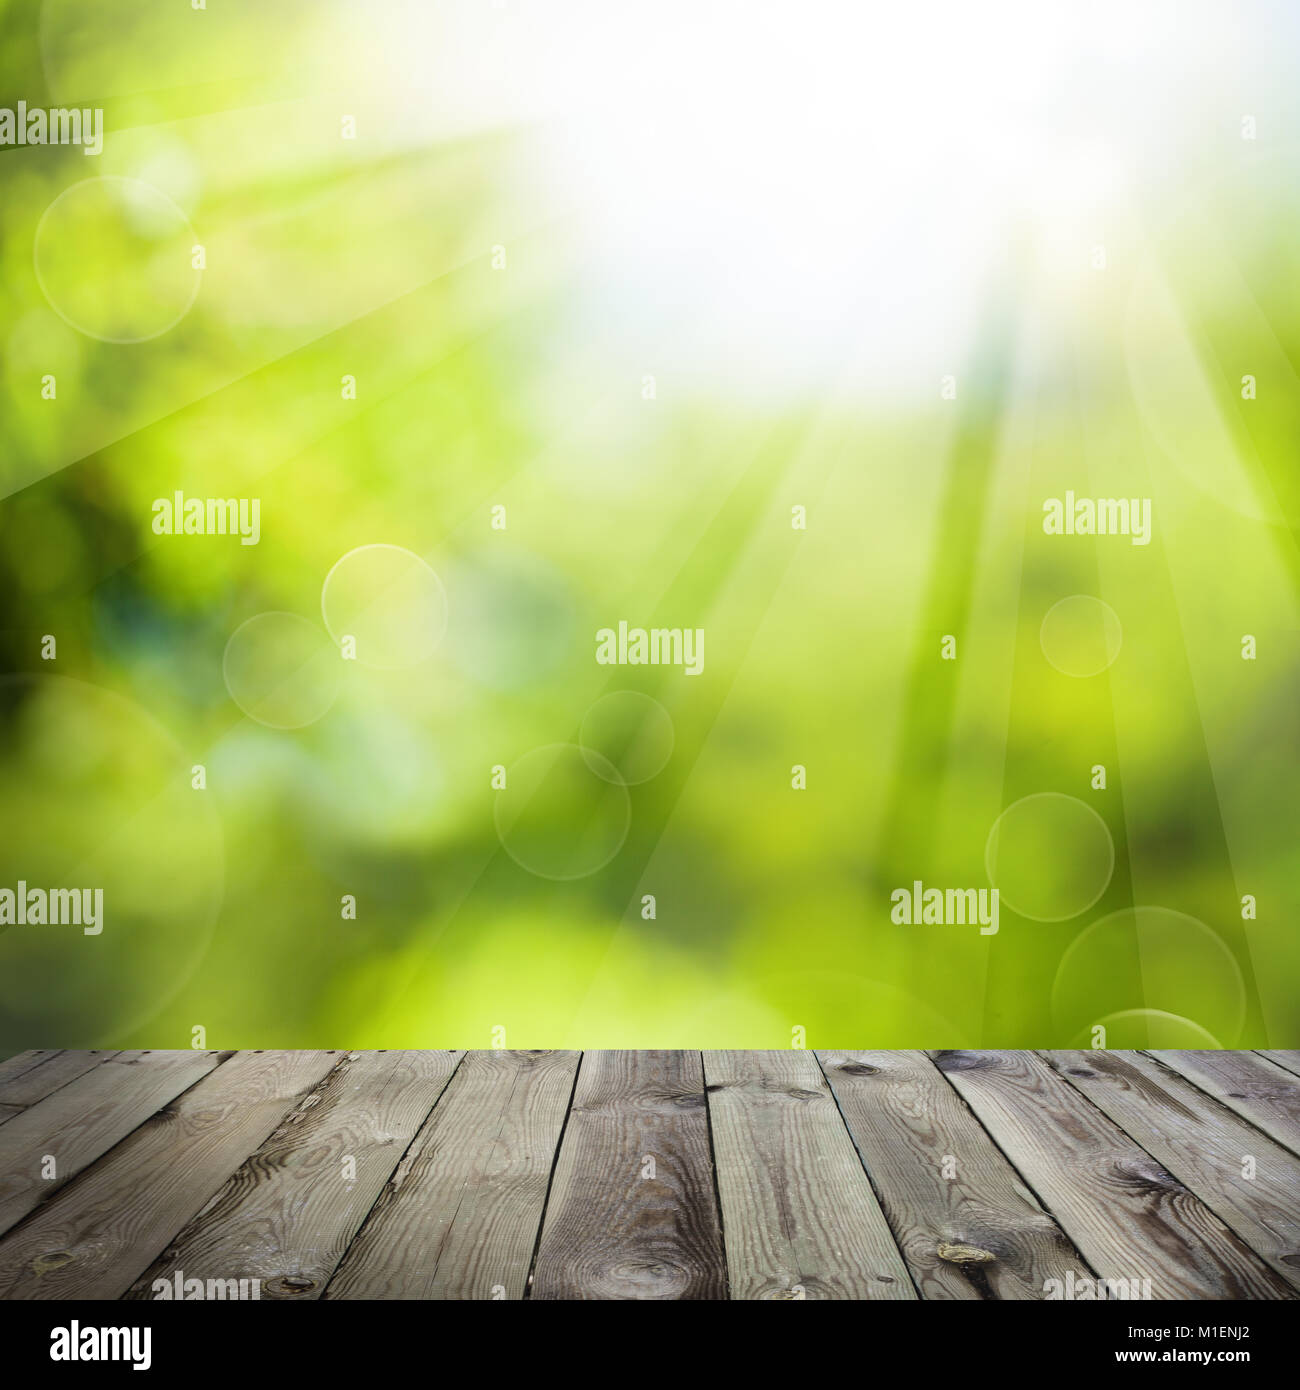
[479, 387]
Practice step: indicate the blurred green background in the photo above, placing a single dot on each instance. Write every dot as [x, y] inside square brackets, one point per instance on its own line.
[649, 283]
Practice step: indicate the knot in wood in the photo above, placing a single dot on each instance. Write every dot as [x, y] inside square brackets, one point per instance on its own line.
[956, 1254]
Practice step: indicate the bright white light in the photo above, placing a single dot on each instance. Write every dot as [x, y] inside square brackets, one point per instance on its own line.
[771, 189]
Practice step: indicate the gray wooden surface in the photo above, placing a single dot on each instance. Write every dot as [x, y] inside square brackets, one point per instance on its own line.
[650, 1175]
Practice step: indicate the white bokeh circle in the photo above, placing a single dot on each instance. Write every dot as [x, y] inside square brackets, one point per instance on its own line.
[1081, 636]
[1138, 1029]
[1050, 856]
[281, 670]
[558, 818]
[1150, 958]
[113, 256]
[101, 798]
[629, 732]
[389, 601]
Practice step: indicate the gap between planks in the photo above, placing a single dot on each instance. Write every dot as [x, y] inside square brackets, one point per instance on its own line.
[721, 1219]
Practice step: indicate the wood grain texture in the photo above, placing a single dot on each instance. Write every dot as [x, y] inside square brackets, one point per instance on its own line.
[1288, 1061]
[288, 1214]
[966, 1223]
[84, 1119]
[52, 1072]
[1204, 1146]
[459, 1219]
[633, 1212]
[93, 1239]
[1128, 1216]
[640, 1175]
[798, 1212]
[1257, 1089]
[22, 1062]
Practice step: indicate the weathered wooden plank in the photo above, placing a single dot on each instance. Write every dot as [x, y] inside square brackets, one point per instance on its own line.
[963, 1217]
[95, 1238]
[83, 1120]
[22, 1062]
[632, 1212]
[7, 1112]
[56, 1070]
[1237, 1171]
[1128, 1216]
[288, 1214]
[798, 1212]
[1257, 1089]
[460, 1217]
[1288, 1061]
